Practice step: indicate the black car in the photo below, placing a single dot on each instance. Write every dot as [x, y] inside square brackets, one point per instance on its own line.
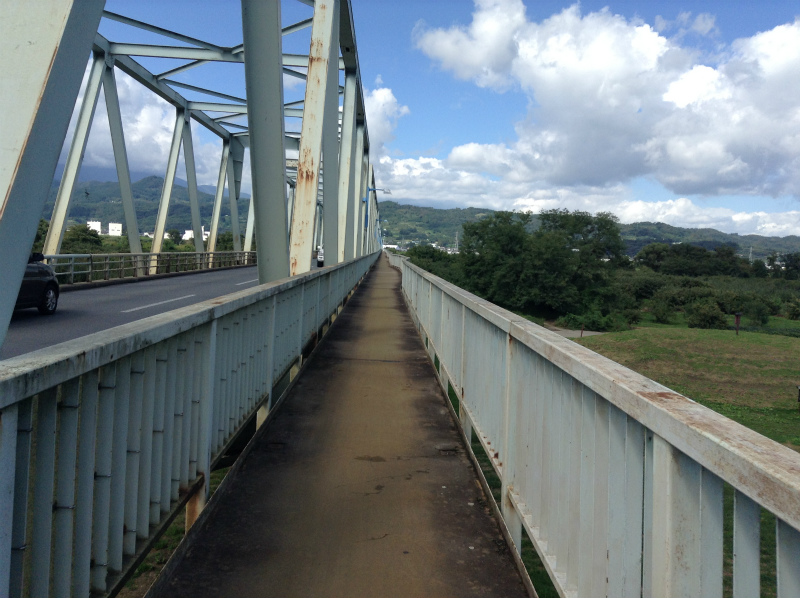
[39, 287]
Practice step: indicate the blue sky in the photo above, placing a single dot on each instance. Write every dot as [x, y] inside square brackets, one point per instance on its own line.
[683, 112]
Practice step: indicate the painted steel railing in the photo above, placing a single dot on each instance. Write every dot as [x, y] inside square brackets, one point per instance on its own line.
[104, 438]
[617, 480]
[86, 267]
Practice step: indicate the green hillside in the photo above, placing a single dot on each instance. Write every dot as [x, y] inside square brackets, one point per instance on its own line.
[403, 224]
[101, 201]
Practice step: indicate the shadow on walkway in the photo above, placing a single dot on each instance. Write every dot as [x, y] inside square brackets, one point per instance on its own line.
[360, 486]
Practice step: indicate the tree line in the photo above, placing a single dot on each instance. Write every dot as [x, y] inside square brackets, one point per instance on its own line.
[573, 269]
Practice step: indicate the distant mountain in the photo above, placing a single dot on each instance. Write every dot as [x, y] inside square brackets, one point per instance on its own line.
[93, 200]
[404, 223]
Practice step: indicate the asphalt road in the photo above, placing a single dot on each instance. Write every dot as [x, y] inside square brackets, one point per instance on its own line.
[83, 312]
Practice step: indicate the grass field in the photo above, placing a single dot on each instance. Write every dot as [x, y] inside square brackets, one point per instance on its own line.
[751, 378]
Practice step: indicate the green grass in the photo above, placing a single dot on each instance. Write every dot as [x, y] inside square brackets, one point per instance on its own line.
[158, 556]
[751, 378]
[536, 570]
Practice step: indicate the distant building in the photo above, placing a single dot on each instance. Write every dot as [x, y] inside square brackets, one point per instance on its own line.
[95, 225]
[189, 234]
[115, 229]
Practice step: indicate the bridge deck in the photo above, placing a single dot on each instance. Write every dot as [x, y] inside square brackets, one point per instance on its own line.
[360, 486]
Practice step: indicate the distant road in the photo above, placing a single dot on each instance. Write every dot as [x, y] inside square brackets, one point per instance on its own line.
[86, 311]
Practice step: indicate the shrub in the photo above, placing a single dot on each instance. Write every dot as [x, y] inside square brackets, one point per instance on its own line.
[757, 313]
[705, 313]
[793, 310]
[662, 310]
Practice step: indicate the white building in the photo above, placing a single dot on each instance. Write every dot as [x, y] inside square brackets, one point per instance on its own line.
[189, 234]
[115, 229]
[95, 225]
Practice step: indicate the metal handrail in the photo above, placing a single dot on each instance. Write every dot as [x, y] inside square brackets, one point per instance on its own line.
[103, 438]
[86, 267]
[616, 479]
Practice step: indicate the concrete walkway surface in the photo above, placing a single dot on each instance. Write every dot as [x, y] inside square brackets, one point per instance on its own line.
[360, 486]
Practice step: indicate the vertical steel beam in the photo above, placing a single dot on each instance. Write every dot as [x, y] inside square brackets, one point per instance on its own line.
[237, 157]
[169, 179]
[191, 180]
[332, 240]
[248, 231]
[58, 220]
[263, 69]
[314, 112]
[347, 163]
[120, 155]
[223, 169]
[355, 192]
[362, 203]
[45, 46]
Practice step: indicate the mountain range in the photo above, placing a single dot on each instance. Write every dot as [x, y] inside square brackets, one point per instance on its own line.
[94, 200]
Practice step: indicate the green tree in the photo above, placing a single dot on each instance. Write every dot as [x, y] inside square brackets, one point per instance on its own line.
[79, 238]
[175, 235]
[41, 235]
[596, 237]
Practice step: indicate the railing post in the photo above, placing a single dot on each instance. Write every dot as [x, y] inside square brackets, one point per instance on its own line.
[8, 449]
[205, 358]
[510, 516]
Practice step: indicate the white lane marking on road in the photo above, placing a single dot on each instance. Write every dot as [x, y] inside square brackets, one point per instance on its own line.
[127, 311]
[238, 284]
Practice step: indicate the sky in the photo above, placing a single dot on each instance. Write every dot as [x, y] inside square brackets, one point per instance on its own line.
[684, 112]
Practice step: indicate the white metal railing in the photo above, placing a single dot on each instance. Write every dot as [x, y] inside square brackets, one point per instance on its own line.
[617, 480]
[104, 438]
[86, 267]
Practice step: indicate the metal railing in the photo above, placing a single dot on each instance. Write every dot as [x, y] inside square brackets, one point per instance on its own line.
[86, 267]
[104, 438]
[617, 480]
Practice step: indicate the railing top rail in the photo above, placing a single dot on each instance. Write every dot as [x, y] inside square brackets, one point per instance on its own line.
[761, 468]
[31, 373]
[71, 255]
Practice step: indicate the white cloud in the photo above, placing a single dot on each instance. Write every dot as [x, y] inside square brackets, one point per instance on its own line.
[613, 99]
[148, 122]
[383, 110]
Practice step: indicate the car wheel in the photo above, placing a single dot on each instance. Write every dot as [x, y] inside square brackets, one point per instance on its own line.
[49, 301]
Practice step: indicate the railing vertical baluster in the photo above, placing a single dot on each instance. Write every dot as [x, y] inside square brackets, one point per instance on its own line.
[220, 385]
[601, 473]
[711, 529]
[187, 473]
[560, 456]
[84, 500]
[103, 474]
[159, 406]
[586, 556]
[146, 447]
[547, 465]
[169, 426]
[8, 462]
[788, 559]
[119, 464]
[43, 485]
[574, 399]
[180, 415]
[634, 497]
[746, 546]
[133, 451]
[64, 506]
[197, 391]
[19, 529]
[205, 360]
[508, 456]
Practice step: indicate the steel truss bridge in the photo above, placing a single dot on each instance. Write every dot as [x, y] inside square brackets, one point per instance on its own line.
[617, 481]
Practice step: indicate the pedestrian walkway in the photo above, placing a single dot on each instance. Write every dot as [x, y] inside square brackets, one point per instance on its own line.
[359, 487]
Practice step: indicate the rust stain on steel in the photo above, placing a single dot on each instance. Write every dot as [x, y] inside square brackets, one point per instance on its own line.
[665, 397]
